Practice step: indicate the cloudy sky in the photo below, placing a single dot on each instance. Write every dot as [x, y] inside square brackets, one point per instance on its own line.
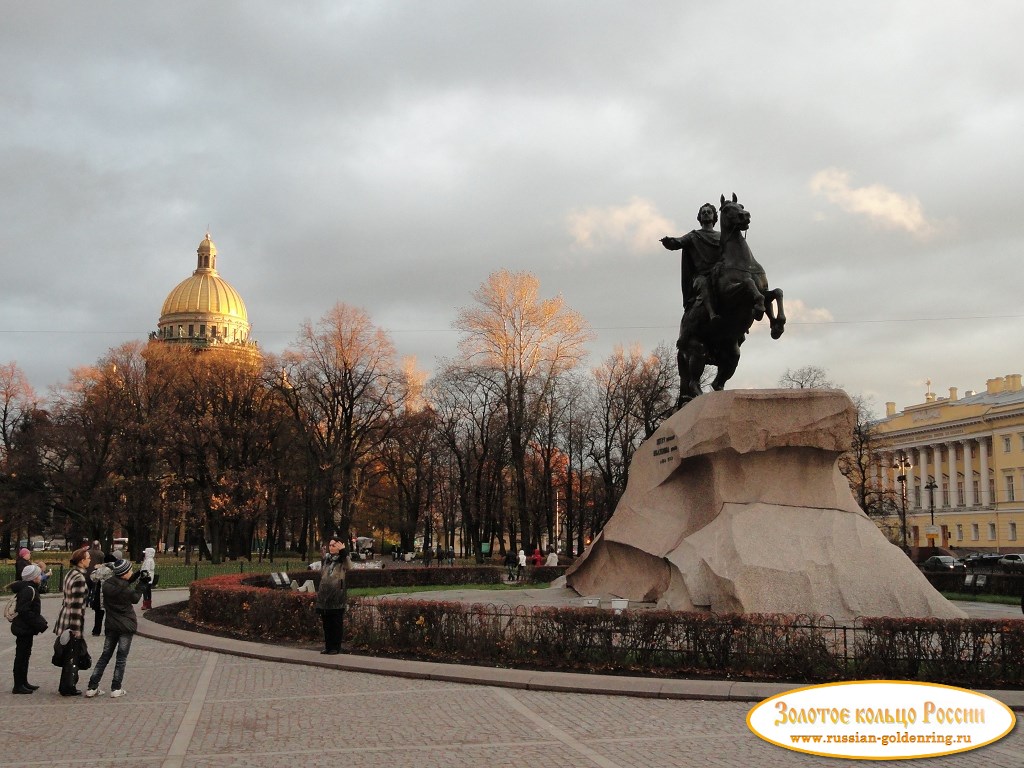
[392, 154]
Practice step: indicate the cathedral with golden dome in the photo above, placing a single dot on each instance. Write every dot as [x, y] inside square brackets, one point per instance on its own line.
[204, 310]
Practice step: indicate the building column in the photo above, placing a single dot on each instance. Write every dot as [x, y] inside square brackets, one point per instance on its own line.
[954, 498]
[936, 474]
[916, 474]
[969, 496]
[983, 483]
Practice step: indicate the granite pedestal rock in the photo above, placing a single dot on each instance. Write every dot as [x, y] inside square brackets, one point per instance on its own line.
[737, 504]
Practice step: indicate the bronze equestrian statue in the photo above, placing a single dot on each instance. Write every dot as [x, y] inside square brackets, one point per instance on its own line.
[724, 291]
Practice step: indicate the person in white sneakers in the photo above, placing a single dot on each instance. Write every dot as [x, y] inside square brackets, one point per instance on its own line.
[121, 593]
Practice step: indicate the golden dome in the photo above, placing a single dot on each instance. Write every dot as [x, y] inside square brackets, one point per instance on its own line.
[205, 307]
[204, 292]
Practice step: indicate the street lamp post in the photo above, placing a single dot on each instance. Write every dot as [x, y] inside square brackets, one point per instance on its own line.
[931, 486]
[903, 464]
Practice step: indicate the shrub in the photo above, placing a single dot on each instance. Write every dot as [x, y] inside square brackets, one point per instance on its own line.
[970, 652]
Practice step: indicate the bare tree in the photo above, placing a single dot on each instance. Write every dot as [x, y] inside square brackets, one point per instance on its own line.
[342, 385]
[807, 377]
[471, 421]
[630, 391]
[223, 420]
[530, 342]
[17, 404]
[860, 464]
[409, 458]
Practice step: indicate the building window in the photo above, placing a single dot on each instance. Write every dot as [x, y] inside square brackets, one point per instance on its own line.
[1013, 531]
[945, 494]
[1022, 441]
[191, 330]
[960, 502]
[1006, 444]
[914, 535]
[991, 531]
[202, 329]
[213, 330]
[992, 490]
[974, 531]
[959, 532]
[1009, 488]
[977, 492]
[917, 496]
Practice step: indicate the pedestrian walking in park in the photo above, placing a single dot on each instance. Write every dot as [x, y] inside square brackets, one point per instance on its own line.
[428, 555]
[149, 568]
[521, 570]
[331, 595]
[28, 622]
[121, 593]
[71, 620]
[451, 555]
[511, 565]
[552, 558]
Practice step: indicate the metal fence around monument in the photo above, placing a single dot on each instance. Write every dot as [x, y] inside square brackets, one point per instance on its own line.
[675, 644]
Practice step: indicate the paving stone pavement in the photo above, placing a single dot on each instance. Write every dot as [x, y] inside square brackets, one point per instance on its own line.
[205, 708]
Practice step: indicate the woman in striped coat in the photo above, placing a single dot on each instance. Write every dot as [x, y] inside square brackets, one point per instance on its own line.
[72, 619]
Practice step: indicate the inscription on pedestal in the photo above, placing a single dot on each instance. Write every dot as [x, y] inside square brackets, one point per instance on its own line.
[665, 449]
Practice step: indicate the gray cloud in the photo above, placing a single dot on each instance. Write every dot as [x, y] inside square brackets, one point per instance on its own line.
[391, 155]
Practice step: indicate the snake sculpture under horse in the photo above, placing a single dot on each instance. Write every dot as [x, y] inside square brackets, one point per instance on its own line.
[741, 295]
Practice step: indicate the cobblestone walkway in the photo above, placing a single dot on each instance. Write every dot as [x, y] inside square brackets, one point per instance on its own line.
[199, 708]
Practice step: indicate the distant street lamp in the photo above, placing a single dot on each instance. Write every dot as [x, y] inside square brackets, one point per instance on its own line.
[903, 464]
[931, 486]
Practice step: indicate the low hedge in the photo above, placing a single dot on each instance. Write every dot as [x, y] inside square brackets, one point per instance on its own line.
[245, 604]
[969, 652]
[248, 603]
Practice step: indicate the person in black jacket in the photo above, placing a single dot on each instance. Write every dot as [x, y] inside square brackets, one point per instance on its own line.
[121, 593]
[332, 593]
[26, 625]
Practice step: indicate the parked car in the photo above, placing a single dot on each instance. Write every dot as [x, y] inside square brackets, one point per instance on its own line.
[943, 564]
[982, 561]
[1012, 563]
[57, 543]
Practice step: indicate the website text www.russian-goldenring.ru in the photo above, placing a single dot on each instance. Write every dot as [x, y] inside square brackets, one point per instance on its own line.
[948, 739]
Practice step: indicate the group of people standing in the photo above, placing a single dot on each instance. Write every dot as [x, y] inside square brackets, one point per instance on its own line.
[515, 563]
[441, 555]
[108, 585]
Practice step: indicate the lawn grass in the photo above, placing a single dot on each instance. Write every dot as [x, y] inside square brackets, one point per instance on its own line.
[376, 591]
[982, 598]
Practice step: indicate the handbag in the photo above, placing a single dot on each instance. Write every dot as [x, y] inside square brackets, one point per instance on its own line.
[84, 660]
[58, 653]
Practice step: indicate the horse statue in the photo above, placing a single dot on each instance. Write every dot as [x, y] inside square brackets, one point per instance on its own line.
[742, 296]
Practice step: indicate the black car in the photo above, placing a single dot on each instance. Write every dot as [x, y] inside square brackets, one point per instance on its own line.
[943, 564]
[980, 561]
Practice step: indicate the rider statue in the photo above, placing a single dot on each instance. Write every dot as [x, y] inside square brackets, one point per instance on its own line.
[725, 290]
[700, 253]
